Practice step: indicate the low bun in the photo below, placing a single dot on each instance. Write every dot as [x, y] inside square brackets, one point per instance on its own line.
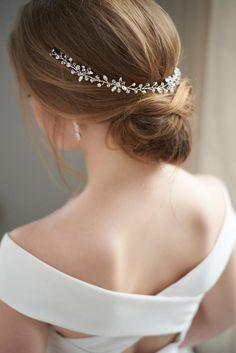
[157, 127]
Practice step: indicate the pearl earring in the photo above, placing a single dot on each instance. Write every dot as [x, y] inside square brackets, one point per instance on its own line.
[77, 130]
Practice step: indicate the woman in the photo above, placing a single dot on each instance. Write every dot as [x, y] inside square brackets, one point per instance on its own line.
[131, 264]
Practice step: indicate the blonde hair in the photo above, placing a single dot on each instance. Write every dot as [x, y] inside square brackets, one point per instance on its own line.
[135, 39]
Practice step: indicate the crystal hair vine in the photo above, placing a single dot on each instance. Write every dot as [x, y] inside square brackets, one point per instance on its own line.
[116, 85]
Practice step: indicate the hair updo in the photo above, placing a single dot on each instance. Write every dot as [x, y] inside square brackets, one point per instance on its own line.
[135, 39]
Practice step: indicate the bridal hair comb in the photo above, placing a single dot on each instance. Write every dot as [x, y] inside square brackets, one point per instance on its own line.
[119, 85]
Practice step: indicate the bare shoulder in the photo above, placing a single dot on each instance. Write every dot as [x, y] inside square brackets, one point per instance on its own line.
[206, 193]
[36, 236]
[31, 236]
[215, 199]
[60, 241]
[199, 204]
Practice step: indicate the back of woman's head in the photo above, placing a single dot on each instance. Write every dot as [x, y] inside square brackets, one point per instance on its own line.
[133, 39]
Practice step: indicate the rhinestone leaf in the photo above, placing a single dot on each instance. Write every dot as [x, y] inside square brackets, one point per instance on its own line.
[105, 78]
[80, 78]
[113, 88]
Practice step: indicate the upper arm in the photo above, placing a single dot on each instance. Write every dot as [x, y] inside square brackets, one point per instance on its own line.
[218, 306]
[217, 310]
[18, 332]
[219, 303]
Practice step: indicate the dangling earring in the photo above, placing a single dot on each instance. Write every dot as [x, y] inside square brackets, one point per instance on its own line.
[77, 130]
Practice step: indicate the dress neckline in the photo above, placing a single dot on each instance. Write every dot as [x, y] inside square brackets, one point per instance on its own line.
[94, 287]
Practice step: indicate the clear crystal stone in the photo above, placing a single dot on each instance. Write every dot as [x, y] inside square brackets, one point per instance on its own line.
[80, 78]
[113, 88]
[105, 78]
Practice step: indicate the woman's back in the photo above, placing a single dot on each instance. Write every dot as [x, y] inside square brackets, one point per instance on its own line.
[133, 241]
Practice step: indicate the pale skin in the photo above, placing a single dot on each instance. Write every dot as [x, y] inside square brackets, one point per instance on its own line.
[120, 194]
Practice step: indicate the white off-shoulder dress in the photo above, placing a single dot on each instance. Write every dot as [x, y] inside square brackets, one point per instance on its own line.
[117, 319]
